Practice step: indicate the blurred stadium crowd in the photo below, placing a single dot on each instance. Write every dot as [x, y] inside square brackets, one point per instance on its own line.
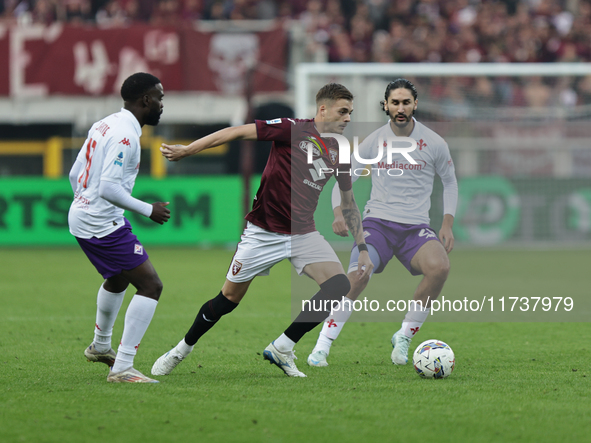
[385, 31]
[366, 30]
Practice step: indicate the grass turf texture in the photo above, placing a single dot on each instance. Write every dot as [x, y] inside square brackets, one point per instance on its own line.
[513, 381]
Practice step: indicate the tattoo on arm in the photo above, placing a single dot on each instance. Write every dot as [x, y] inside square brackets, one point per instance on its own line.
[353, 219]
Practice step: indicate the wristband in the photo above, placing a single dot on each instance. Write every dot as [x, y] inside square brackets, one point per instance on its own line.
[362, 247]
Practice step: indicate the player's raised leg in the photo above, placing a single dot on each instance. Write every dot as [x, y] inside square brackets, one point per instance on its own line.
[432, 261]
[336, 320]
[137, 319]
[334, 285]
[209, 314]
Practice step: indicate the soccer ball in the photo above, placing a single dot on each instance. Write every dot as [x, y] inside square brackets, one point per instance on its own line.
[433, 359]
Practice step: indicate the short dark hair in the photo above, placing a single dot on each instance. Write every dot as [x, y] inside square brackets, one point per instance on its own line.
[333, 91]
[136, 85]
[396, 84]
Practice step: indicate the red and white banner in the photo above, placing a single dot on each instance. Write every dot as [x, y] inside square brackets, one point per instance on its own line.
[42, 60]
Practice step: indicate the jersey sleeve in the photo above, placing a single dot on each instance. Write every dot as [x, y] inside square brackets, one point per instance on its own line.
[118, 153]
[444, 167]
[278, 130]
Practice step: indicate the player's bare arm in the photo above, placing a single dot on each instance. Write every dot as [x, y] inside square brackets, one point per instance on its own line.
[339, 226]
[177, 152]
[352, 218]
[446, 235]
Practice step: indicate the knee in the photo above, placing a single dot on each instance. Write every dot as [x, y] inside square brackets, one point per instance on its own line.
[152, 288]
[438, 270]
[357, 286]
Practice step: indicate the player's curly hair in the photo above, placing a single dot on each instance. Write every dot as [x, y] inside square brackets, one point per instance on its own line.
[396, 84]
[333, 91]
[136, 85]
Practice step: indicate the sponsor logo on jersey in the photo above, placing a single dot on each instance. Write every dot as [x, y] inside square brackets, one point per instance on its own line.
[427, 233]
[312, 184]
[138, 250]
[365, 233]
[421, 144]
[404, 166]
[333, 154]
[125, 142]
[305, 145]
[119, 160]
[274, 122]
[236, 267]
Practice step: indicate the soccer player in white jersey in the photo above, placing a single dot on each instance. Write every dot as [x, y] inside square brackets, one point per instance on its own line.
[102, 179]
[396, 219]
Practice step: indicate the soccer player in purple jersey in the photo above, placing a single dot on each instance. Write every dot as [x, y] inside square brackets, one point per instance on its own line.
[281, 224]
[102, 179]
[396, 219]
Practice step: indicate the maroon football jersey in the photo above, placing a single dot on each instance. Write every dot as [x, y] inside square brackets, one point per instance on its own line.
[290, 187]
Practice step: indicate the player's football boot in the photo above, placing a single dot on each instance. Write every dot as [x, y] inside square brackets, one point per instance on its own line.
[167, 362]
[283, 361]
[400, 343]
[130, 375]
[95, 356]
[318, 358]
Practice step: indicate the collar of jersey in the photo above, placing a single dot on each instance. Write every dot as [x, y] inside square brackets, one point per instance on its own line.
[136, 125]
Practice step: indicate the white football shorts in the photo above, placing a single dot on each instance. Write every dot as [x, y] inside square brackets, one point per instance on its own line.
[259, 250]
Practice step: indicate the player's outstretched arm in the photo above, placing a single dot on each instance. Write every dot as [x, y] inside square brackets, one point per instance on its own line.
[177, 152]
[446, 235]
[352, 218]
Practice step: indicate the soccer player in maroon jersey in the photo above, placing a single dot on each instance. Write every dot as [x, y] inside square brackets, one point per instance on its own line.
[281, 223]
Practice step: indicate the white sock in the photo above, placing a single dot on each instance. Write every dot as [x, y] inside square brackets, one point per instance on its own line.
[137, 318]
[284, 343]
[334, 325]
[107, 308]
[183, 348]
[414, 319]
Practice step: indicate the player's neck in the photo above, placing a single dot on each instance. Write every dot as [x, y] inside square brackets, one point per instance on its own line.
[404, 131]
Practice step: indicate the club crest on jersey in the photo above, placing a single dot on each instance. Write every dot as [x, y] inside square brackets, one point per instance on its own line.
[236, 267]
[305, 145]
[125, 142]
[119, 160]
[333, 154]
[138, 250]
[274, 122]
[421, 144]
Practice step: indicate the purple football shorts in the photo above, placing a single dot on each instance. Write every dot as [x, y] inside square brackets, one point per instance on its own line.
[396, 239]
[116, 252]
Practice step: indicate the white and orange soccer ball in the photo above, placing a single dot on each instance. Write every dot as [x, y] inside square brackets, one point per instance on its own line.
[434, 359]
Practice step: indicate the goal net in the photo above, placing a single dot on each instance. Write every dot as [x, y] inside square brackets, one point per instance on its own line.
[519, 135]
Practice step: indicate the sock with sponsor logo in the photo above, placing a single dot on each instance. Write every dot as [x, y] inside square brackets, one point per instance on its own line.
[107, 308]
[137, 318]
[334, 325]
[414, 319]
[208, 315]
[314, 313]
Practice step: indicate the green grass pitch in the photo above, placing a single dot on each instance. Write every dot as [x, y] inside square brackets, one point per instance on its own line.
[513, 381]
